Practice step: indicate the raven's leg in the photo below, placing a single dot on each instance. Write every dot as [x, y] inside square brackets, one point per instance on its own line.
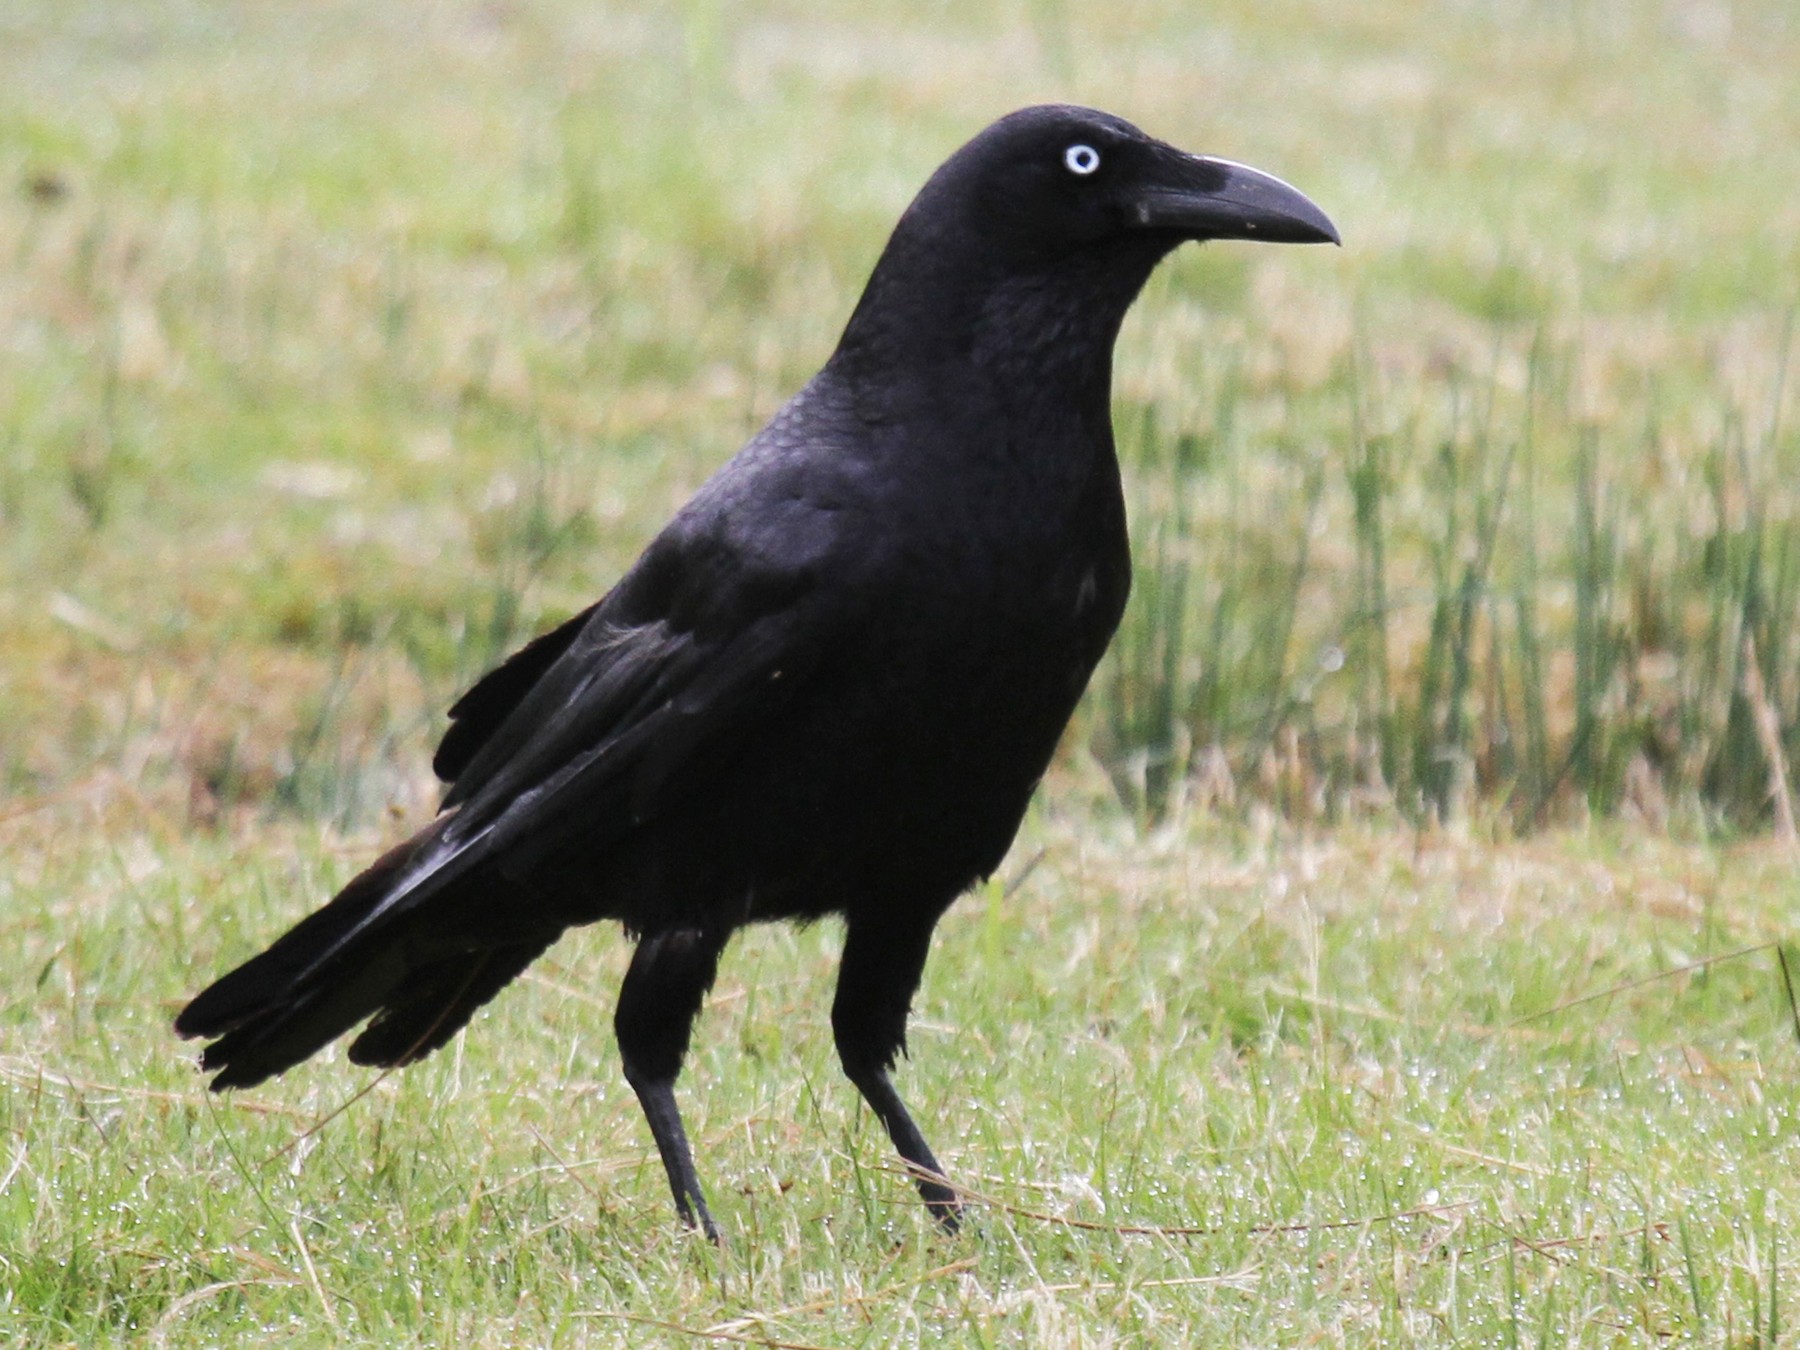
[669, 976]
[876, 981]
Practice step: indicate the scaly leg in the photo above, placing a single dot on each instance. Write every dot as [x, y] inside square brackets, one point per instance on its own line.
[876, 982]
[669, 976]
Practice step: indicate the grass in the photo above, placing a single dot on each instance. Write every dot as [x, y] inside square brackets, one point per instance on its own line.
[340, 348]
[1209, 1090]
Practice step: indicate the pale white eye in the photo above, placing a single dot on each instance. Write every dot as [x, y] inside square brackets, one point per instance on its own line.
[1081, 159]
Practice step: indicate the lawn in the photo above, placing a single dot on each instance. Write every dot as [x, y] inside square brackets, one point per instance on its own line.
[1392, 953]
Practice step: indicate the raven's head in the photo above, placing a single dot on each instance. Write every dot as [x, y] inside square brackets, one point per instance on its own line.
[1031, 241]
[1047, 181]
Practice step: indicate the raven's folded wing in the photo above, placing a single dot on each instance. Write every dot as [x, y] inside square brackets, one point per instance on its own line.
[694, 649]
[490, 701]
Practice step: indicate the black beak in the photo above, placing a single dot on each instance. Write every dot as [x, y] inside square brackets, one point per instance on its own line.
[1203, 198]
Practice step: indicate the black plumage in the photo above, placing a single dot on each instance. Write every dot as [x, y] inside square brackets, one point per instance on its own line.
[830, 685]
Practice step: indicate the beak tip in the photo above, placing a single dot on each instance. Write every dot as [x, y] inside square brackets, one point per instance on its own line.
[1310, 225]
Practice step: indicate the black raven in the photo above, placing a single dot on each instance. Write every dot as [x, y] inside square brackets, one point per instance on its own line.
[829, 686]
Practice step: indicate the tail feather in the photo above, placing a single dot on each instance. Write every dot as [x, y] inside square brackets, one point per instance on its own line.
[267, 983]
[435, 1002]
[327, 974]
[295, 1030]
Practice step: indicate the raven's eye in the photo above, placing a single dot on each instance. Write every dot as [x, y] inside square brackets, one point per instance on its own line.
[1081, 159]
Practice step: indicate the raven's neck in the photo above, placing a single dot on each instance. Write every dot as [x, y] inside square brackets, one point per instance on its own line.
[1034, 342]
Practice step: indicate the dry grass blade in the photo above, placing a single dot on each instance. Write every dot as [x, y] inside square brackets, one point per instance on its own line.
[161, 1333]
[1628, 985]
[1022, 875]
[312, 1276]
[700, 1333]
[822, 1304]
[27, 1074]
[328, 1117]
[380, 1078]
[1186, 1230]
[1373, 1013]
[1237, 1279]
[1787, 984]
[1546, 1246]
[567, 1170]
